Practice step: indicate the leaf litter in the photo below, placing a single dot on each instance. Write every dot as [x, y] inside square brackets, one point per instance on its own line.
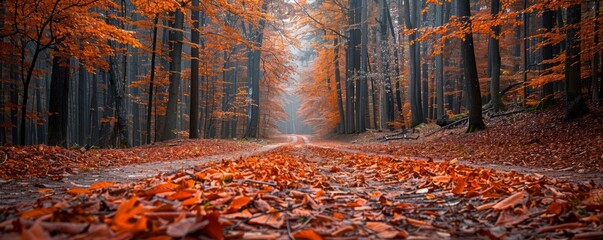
[294, 193]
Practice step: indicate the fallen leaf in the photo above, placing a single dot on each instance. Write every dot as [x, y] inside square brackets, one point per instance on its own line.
[307, 234]
[99, 185]
[510, 201]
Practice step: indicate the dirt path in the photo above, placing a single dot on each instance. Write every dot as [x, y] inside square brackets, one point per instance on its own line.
[23, 191]
[568, 174]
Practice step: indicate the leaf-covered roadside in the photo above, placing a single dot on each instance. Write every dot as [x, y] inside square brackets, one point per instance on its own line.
[529, 140]
[306, 192]
[53, 162]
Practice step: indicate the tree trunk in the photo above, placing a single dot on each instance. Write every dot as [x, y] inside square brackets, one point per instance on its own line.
[548, 22]
[254, 80]
[415, 77]
[439, 68]
[468, 55]
[82, 105]
[387, 82]
[194, 104]
[59, 102]
[342, 119]
[576, 106]
[494, 59]
[175, 71]
[595, 62]
[152, 81]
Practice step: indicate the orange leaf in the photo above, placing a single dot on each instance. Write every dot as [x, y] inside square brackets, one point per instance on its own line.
[78, 191]
[161, 188]
[180, 195]
[238, 202]
[214, 229]
[338, 216]
[99, 185]
[38, 212]
[555, 208]
[441, 179]
[510, 201]
[459, 188]
[307, 234]
[128, 217]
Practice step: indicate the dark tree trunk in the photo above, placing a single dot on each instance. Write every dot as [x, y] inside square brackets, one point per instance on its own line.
[468, 55]
[352, 65]
[548, 22]
[176, 37]
[82, 106]
[415, 70]
[194, 104]
[494, 57]
[93, 137]
[254, 78]
[595, 62]
[59, 102]
[576, 106]
[152, 81]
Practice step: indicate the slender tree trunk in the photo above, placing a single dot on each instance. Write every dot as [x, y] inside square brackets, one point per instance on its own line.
[439, 69]
[82, 105]
[194, 104]
[387, 83]
[548, 22]
[175, 70]
[152, 81]
[414, 89]
[342, 119]
[595, 62]
[494, 57]
[576, 106]
[59, 102]
[468, 55]
[93, 138]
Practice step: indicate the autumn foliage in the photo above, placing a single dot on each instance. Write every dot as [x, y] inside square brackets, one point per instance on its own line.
[315, 193]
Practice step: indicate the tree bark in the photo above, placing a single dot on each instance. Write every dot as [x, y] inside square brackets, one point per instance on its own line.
[194, 104]
[548, 22]
[494, 56]
[175, 71]
[152, 81]
[342, 119]
[576, 106]
[59, 102]
[468, 55]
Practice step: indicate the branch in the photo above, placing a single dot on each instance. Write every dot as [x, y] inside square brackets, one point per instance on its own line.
[320, 23]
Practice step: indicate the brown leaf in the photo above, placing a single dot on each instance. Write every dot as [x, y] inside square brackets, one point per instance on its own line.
[510, 201]
[36, 232]
[185, 226]
[563, 226]
[378, 226]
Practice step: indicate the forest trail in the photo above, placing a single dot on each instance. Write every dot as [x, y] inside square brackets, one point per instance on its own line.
[305, 186]
[18, 191]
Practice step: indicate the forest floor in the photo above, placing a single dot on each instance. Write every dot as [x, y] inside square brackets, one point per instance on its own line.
[300, 187]
[525, 142]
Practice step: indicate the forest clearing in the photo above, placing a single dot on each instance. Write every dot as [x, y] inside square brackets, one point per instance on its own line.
[301, 119]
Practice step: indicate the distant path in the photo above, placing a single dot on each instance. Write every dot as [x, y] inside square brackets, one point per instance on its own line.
[18, 191]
